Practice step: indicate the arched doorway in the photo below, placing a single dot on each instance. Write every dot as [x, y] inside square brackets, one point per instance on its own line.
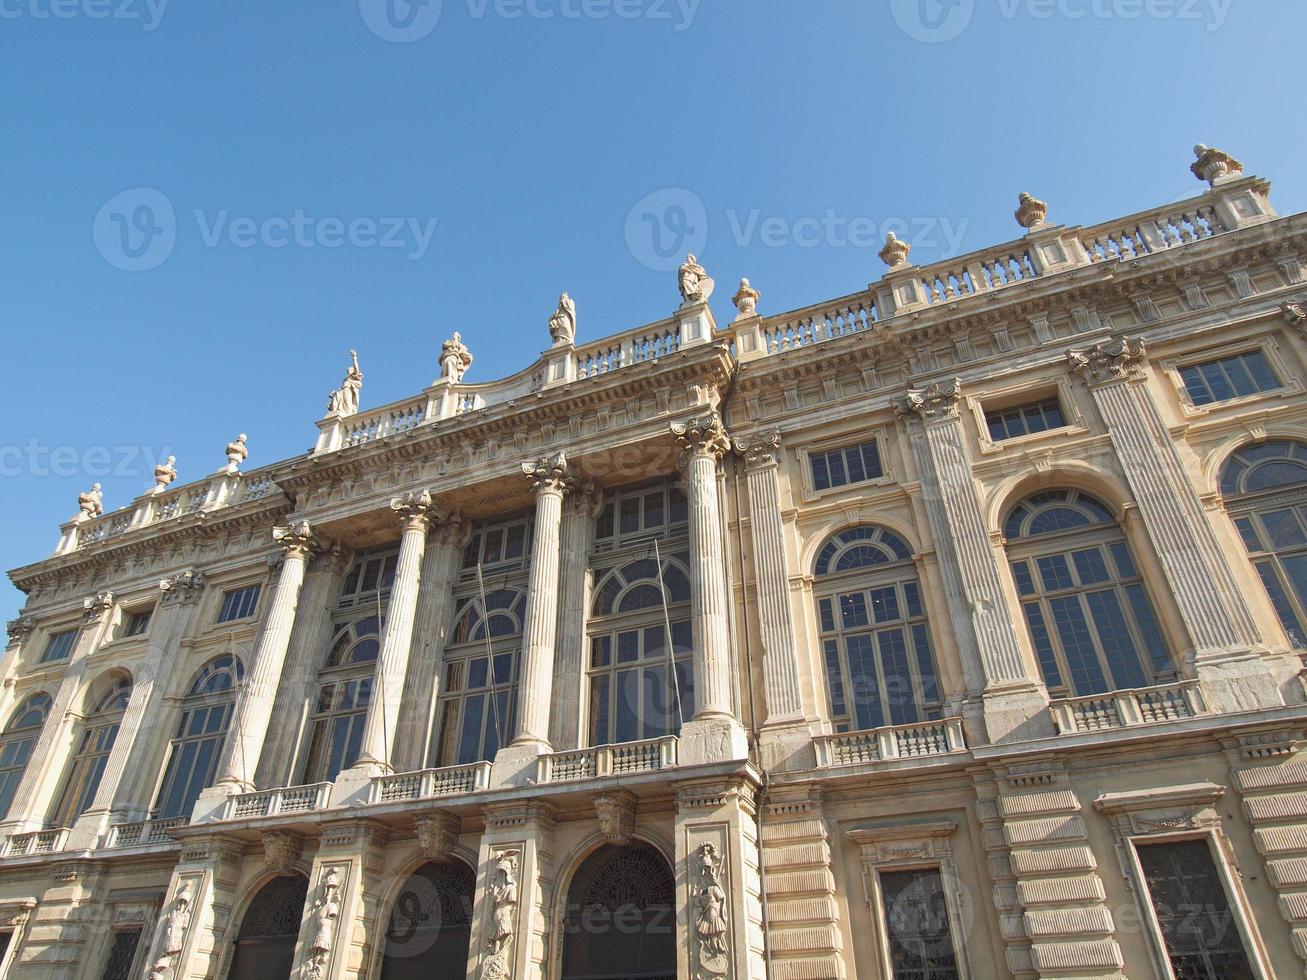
[265, 946]
[620, 920]
[430, 926]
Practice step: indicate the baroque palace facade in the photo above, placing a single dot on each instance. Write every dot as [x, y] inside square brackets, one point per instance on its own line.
[949, 629]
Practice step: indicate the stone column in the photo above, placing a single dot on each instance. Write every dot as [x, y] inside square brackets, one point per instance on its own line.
[714, 734]
[515, 881]
[421, 697]
[133, 766]
[253, 711]
[1222, 631]
[417, 512]
[717, 864]
[576, 581]
[36, 792]
[1013, 699]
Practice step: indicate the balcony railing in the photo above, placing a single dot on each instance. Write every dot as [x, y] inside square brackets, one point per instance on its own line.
[289, 799]
[36, 842]
[144, 832]
[430, 784]
[1127, 709]
[893, 742]
[623, 759]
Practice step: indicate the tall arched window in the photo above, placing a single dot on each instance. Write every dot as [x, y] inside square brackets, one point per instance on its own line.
[344, 693]
[265, 945]
[880, 666]
[1090, 617]
[430, 927]
[16, 744]
[478, 700]
[94, 743]
[197, 744]
[634, 694]
[1265, 491]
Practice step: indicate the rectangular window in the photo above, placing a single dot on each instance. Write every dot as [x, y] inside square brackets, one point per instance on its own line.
[121, 955]
[851, 464]
[239, 604]
[1023, 420]
[917, 925]
[59, 646]
[1229, 377]
[137, 623]
[1198, 927]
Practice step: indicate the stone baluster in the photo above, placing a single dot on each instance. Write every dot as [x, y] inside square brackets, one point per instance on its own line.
[253, 712]
[1013, 699]
[1220, 627]
[575, 577]
[715, 734]
[417, 513]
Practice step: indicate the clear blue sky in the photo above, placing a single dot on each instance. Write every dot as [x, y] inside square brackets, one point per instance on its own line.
[529, 139]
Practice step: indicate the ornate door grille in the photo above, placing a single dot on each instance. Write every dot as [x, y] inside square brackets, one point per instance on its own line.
[916, 917]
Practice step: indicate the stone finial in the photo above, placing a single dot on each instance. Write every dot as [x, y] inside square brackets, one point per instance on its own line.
[1031, 212]
[1112, 360]
[895, 253]
[615, 812]
[548, 473]
[455, 358]
[296, 539]
[933, 403]
[1211, 164]
[746, 300]
[97, 607]
[90, 504]
[237, 453]
[344, 401]
[695, 283]
[437, 835]
[164, 474]
[281, 849]
[562, 325]
[1295, 312]
[702, 436]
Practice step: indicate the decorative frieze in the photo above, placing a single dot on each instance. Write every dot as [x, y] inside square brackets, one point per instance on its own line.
[1295, 313]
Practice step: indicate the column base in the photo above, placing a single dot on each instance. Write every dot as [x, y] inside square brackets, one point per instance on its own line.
[1009, 715]
[352, 786]
[1251, 682]
[88, 830]
[787, 748]
[213, 801]
[515, 765]
[712, 739]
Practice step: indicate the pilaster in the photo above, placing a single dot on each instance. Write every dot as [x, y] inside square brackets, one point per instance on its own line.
[576, 582]
[195, 928]
[343, 921]
[64, 923]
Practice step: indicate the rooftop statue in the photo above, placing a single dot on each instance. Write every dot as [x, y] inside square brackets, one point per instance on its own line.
[562, 325]
[90, 503]
[455, 358]
[344, 401]
[696, 285]
[895, 253]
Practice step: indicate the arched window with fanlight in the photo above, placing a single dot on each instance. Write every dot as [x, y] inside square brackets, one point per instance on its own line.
[880, 663]
[16, 745]
[1085, 603]
[1264, 486]
[198, 740]
[344, 693]
[478, 697]
[641, 686]
[95, 740]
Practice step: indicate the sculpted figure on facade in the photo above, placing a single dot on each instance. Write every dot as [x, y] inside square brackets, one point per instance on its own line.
[615, 812]
[1211, 164]
[746, 300]
[164, 474]
[504, 897]
[172, 934]
[344, 401]
[237, 453]
[562, 325]
[710, 924]
[455, 358]
[895, 253]
[1031, 212]
[326, 913]
[696, 285]
[90, 504]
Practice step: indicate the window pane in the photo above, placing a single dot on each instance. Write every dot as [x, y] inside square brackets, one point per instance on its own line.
[898, 678]
[121, 955]
[1055, 573]
[1077, 646]
[1159, 655]
[853, 610]
[864, 683]
[1118, 644]
[835, 678]
[1283, 529]
[1280, 600]
[917, 923]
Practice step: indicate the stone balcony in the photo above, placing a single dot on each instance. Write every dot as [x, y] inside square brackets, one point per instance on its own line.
[891, 743]
[1127, 709]
[430, 784]
[273, 802]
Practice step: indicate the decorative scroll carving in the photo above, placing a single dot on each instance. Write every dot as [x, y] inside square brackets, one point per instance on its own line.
[296, 539]
[281, 850]
[164, 474]
[703, 436]
[1295, 313]
[184, 587]
[1031, 213]
[1210, 164]
[19, 629]
[710, 922]
[96, 608]
[416, 510]
[548, 474]
[504, 897]
[760, 448]
[237, 453]
[1112, 360]
[746, 300]
[326, 914]
[562, 325]
[895, 253]
[455, 358]
[696, 285]
[172, 933]
[437, 835]
[90, 504]
[934, 403]
[616, 814]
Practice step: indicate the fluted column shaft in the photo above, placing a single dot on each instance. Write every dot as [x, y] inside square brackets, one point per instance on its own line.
[1199, 576]
[540, 629]
[416, 511]
[779, 662]
[574, 600]
[704, 442]
[253, 712]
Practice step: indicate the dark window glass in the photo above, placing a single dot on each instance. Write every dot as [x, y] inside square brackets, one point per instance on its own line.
[1229, 377]
[851, 464]
[1023, 420]
[137, 624]
[59, 646]
[917, 921]
[238, 604]
[121, 955]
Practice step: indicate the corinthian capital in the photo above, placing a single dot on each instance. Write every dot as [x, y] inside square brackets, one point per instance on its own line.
[184, 587]
[703, 436]
[296, 539]
[454, 530]
[96, 608]
[18, 629]
[1295, 313]
[417, 510]
[760, 448]
[548, 474]
[1112, 360]
[933, 403]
